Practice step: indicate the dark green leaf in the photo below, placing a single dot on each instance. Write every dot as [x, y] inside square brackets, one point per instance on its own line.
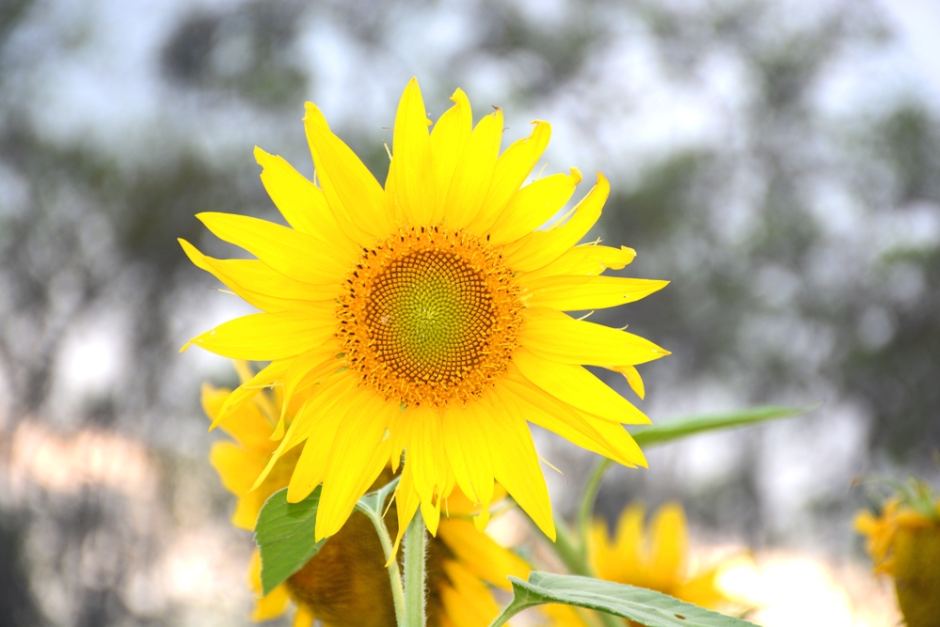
[646, 607]
[284, 534]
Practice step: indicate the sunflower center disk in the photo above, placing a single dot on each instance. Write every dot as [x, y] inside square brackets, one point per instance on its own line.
[430, 317]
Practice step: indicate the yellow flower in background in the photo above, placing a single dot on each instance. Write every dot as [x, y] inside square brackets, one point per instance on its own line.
[653, 557]
[904, 543]
[346, 583]
[426, 318]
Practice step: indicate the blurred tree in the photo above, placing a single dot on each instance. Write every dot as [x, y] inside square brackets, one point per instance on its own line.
[802, 240]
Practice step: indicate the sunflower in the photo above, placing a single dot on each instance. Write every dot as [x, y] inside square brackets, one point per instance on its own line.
[904, 543]
[655, 557]
[346, 582]
[425, 319]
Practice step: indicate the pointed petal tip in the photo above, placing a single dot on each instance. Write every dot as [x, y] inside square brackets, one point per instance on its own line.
[321, 530]
[550, 532]
[217, 422]
[188, 249]
[313, 115]
[576, 174]
[459, 97]
[541, 126]
[260, 155]
[203, 216]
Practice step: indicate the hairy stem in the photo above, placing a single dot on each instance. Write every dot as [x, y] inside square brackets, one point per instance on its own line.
[415, 572]
[391, 564]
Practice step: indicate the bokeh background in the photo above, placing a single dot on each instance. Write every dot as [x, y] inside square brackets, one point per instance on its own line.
[778, 161]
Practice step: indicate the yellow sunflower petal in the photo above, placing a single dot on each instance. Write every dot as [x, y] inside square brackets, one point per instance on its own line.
[251, 430]
[358, 455]
[631, 539]
[703, 589]
[212, 399]
[448, 139]
[431, 471]
[313, 415]
[322, 414]
[533, 206]
[303, 617]
[603, 559]
[311, 465]
[353, 194]
[295, 254]
[579, 388]
[468, 451]
[669, 545]
[303, 205]
[409, 186]
[573, 293]
[557, 336]
[266, 336]
[299, 380]
[247, 508]
[473, 172]
[257, 284]
[271, 605]
[236, 467]
[407, 502]
[246, 392]
[467, 601]
[540, 248]
[482, 555]
[516, 465]
[599, 436]
[634, 380]
[586, 260]
[510, 172]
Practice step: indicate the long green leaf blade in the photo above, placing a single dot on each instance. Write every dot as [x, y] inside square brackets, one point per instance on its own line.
[684, 427]
[646, 607]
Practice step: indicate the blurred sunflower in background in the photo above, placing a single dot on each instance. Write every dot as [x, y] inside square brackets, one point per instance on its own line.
[903, 541]
[346, 582]
[426, 318]
[655, 557]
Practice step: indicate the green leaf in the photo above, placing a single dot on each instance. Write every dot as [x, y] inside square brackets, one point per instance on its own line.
[284, 535]
[684, 427]
[646, 607]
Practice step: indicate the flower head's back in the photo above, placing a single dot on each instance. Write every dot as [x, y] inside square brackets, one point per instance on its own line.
[904, 543]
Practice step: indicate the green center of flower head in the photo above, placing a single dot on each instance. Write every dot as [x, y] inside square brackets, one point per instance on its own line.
[430, 317]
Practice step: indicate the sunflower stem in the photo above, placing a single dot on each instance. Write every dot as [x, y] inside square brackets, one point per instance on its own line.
[415, 549]
[391, 564]
[566, 549]
[588, 500]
